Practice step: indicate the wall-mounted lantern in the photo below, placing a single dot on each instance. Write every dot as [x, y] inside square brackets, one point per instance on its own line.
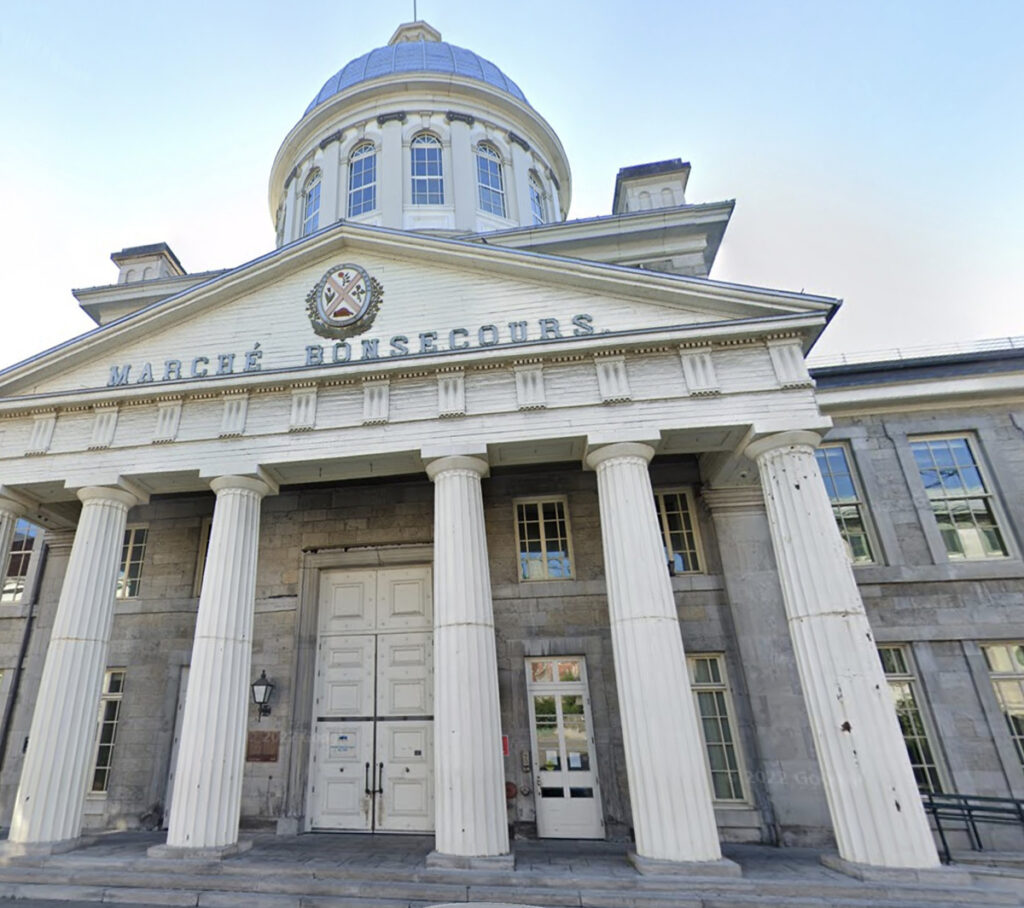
[262, 688]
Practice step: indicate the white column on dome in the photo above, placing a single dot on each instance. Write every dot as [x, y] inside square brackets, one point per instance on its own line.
[10, 513]
[211, 754]
[673, 819]
[872, 795]
[61, 744]
[469, 774]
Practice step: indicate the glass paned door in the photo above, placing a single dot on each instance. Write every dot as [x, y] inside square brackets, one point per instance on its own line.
[568, 798]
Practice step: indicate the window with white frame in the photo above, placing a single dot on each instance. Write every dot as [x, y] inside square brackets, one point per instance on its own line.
[959, 496]
[22, 546]
[537, 206]
[898, 669]
[490, 188]
[106, 733]
[715, 711]
[679, 533]
[133, 554]
[311, 204]
[362, 180]
[542, 536]
[1006, 671]
[427, 171]
[848, 507]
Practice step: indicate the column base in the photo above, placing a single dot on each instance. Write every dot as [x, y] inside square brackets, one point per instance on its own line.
[289, 825]
[213, 853]
[940, 875]
[9, 849]
[655, 866]
[471, 862]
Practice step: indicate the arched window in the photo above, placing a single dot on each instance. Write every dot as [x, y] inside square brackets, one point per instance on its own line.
[490, 189]
[427, 175]
[362, 180]
[537, 206]
[311, 204]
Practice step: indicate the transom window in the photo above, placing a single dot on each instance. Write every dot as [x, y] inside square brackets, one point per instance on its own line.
[1006, 670]
[362, 180]
[490, 189]
[847, 502]
[311, 204]
[714, 710]
[679, 532]
[133, 554]
[537, 200]
[24, 542]
[427, 173]
[902, 686]
[106, 735]
[542, 535]
[960, 500]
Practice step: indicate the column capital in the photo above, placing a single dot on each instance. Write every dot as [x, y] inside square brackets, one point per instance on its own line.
[261, 486]
[474, 464]
[13, 507]
[618, 449]
[793, 438]
[110, 493]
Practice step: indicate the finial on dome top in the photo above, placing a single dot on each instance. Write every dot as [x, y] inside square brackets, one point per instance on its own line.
[415, 31]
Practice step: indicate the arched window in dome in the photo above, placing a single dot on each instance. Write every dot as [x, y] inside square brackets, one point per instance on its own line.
[538, 208]
[490, 189]
[427, 173]
[362, 179]
[311, 204]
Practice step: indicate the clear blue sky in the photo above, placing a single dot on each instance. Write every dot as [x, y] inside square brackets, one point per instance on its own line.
[874, 149]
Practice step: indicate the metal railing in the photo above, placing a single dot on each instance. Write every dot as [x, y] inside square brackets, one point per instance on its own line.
[964, 813]
[989, 345]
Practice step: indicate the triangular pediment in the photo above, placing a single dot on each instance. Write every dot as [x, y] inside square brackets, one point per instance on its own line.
[443, 303]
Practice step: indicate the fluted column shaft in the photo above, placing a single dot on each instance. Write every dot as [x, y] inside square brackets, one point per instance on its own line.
[673, 819]
[62, 738]
[10, 513]
[872, 795]
[211, 755]
[469, 774]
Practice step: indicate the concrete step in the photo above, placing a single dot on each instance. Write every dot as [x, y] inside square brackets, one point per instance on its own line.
[266, 888]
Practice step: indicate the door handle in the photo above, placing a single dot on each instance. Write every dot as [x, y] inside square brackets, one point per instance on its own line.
[380, 779]
[366, 780]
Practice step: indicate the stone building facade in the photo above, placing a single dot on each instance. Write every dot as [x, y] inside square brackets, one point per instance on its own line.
[531, 524]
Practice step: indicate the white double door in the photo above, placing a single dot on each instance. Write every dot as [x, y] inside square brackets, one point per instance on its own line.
[372, 755]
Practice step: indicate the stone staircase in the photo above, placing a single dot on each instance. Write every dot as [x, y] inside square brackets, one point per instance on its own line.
[366, 872]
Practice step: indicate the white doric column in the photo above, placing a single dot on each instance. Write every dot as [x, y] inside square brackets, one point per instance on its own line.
[873, 798]
[469, 773]
[10, 513]
[61, 746]
[211, 754]
[673, 819]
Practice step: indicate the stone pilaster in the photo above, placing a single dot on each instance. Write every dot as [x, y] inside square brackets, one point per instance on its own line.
[61, 747]
[673, 818]
[469, 775]
[10, 513]
[873, 798]
[211, 755]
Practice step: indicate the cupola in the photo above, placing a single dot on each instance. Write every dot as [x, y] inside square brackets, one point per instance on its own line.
[419, 135]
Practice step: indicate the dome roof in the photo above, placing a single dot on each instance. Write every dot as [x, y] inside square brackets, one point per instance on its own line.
[416, 57]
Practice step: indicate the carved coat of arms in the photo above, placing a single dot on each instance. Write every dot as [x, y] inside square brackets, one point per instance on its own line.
[344, 301]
